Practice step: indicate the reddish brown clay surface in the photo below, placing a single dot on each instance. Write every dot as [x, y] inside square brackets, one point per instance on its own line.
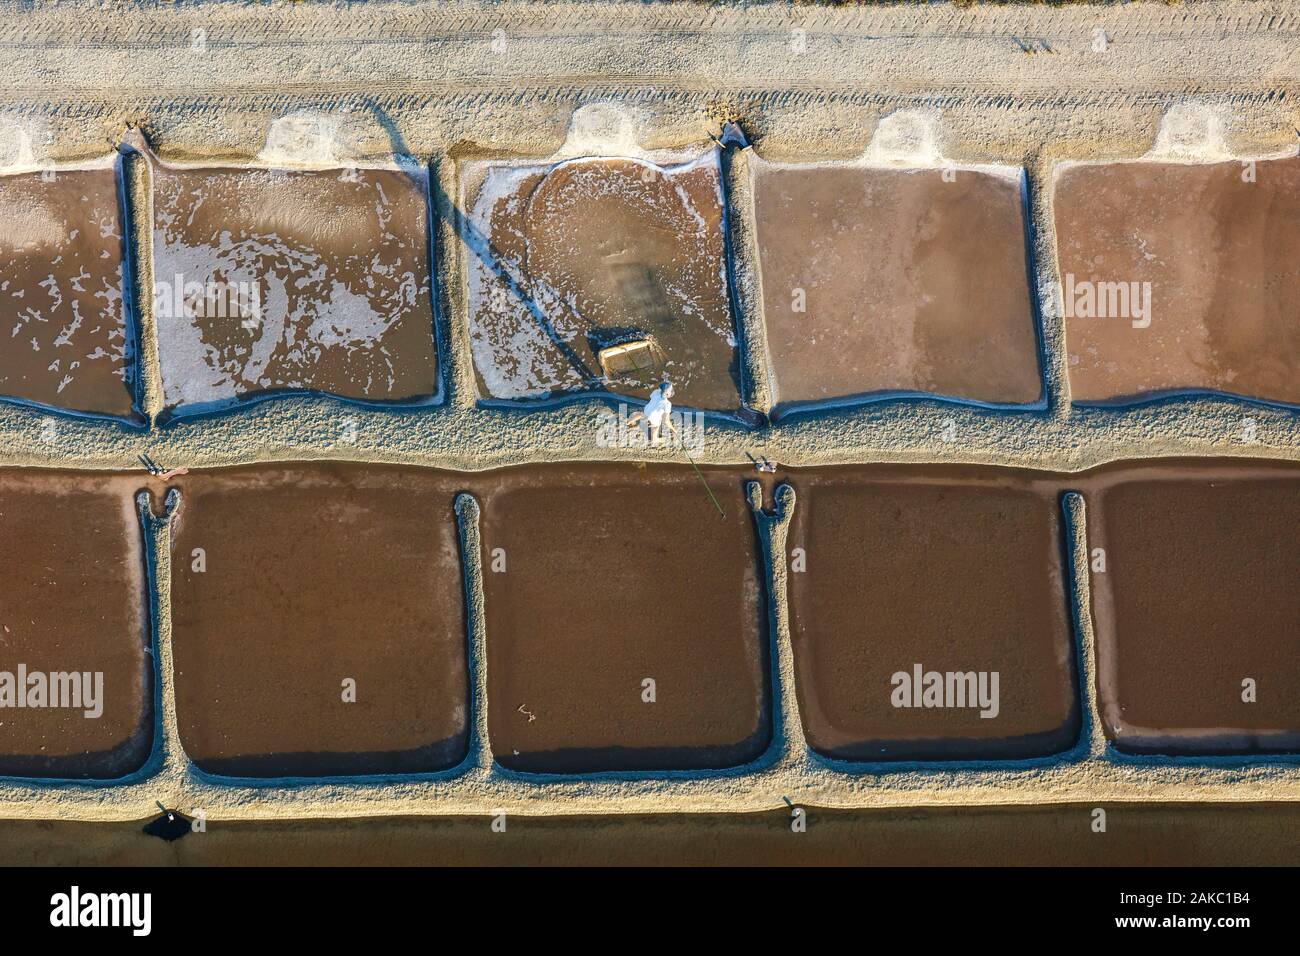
[1201, 592]
[592, 253]
[292, 280]
[314, 575]
[954, 569]
[72, 603]
[65, 341]
[599, 578]
[1215, 253]
[891, 280]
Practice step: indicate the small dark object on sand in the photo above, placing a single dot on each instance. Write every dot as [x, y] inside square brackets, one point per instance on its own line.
[170, 825]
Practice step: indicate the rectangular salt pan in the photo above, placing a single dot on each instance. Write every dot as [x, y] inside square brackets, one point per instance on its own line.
[625, 620]
[1180, 278]
[881, 281]
[65, 337]
[76, 672]
[292, 280]
[929, 614]
[1198, 607]
[318, 622]
[567, 260]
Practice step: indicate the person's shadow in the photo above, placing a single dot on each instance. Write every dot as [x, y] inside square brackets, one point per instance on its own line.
[478, 244]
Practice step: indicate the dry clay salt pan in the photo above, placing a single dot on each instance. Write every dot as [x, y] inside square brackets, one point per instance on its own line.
[1188, 133]
[1191, 133]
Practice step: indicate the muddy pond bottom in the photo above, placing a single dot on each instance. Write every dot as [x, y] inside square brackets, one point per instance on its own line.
[570, 260]
[881, 281]
[1180, 277]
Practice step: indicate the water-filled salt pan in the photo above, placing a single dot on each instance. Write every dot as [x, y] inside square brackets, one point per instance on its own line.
[565, 259]
[295, 280]
[65, 336]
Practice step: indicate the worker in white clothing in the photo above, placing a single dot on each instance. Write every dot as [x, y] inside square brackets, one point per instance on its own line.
[658, 412]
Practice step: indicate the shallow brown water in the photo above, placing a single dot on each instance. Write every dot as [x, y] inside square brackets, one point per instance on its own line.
[1222, 256]
[956, 569]
[64, 335]
[1201, 591]
[599, 577]
[317, 574]
[73, 600]
[1251, 834]
[609, 576]
[884, 280]
[292, 280]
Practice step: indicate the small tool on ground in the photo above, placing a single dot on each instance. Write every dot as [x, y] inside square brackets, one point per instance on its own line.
[158, 471]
